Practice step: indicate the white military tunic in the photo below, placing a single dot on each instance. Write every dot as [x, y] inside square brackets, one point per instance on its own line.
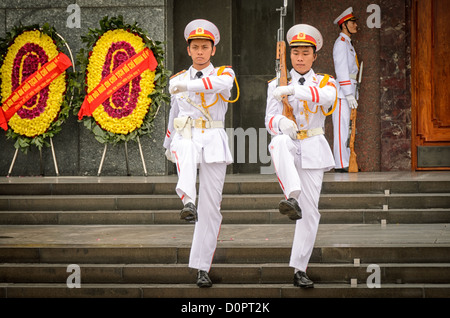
[346, 69]
[300, 164]
[206, 150]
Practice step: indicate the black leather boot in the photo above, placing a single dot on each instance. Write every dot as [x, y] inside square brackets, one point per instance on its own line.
[189, 212]
[302, 280]
[203, 279]
[290, 208]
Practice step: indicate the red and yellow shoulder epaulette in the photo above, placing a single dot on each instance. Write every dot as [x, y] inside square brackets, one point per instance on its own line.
[225, 66]
[325, 79]
[221, 69]
[323, 74]
[179, 73]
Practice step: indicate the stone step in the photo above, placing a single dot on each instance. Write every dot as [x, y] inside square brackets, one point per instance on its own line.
[246, 255]
[274, 273]
[265, 292]
[234, 184]
[229, 202]
[126, 236]
[237, 243]
[259, 216]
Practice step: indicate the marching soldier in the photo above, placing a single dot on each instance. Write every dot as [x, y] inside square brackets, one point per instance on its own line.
[300, 153]
[346, 69]
[196, 138]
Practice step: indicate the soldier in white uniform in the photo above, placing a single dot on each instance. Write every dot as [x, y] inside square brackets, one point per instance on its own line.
[300, 153]
[346, 69]
[196, 139]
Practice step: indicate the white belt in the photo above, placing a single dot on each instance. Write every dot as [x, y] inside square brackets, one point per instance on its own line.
[183, 125]
[202, 123]
[303, 134]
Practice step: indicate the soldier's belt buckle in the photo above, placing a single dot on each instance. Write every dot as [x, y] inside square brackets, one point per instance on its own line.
[200, 123]
[302, 134]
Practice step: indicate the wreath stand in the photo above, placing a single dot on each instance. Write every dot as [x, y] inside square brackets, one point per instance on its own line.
[40, 159]
[126, 158]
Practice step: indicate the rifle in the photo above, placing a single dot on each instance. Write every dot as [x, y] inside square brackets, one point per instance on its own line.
[353, 165]
[280, 64]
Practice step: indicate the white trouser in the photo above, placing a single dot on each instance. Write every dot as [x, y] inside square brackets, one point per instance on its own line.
[341, 121]
[304, 186]
[211, 180]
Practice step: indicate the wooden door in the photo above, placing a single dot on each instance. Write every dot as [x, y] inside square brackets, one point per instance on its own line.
[430, 79]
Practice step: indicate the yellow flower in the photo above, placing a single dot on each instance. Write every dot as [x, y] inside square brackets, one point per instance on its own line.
[39, 124]
[98, 58]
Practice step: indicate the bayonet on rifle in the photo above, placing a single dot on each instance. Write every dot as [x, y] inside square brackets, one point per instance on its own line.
[358, 84]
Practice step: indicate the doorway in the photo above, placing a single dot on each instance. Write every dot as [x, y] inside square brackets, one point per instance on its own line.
[429, 77]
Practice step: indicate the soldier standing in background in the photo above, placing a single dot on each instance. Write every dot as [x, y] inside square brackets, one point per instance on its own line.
[346, 68]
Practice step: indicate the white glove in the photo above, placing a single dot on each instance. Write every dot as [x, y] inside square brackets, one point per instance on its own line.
[283, 90]
[352, 103]
[178, 87]
[288, 127]
[169, 156]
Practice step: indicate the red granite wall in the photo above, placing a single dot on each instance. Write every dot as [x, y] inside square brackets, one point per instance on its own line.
[395, 99]
[383, 141]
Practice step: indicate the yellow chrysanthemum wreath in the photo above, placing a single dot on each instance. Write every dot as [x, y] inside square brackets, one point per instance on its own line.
[24, 50]
[130, 111]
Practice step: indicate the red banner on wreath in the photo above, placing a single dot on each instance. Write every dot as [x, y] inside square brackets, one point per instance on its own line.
[123, 74]
[31, 86]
